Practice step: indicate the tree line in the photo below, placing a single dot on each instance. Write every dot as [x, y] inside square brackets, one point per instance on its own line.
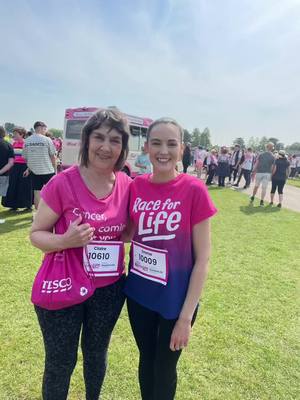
[198, 138]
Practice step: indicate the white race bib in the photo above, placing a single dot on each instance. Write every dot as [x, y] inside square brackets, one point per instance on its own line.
[150, 263]
[102, 258]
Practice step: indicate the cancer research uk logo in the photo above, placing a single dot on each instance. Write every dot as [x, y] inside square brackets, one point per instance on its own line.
[83, 291]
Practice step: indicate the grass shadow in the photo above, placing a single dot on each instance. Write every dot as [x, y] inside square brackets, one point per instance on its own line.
[15, 224]
[250, 209]
[211, 188]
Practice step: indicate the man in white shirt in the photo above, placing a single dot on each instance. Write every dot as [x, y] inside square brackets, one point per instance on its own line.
[39, 152]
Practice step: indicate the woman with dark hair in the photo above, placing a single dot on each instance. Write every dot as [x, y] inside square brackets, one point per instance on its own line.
[170, 215]
[19, 193]
[99, 215]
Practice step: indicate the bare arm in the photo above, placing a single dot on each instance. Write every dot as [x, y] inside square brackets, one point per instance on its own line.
[255, 167]
[53, 161]
[7, 166]
[42, 236]
[201, 242]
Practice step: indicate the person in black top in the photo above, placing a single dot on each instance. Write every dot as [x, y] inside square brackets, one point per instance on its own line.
[187, 157]
[6, 162]
[279, 176]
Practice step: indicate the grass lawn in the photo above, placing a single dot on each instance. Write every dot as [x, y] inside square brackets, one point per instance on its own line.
[294, 182]
[245, 342]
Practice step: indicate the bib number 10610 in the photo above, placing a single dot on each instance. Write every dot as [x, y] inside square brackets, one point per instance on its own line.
[103, 258]
[98, 256]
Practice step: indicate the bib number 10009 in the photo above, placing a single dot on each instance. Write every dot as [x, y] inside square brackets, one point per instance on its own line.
[147, 260]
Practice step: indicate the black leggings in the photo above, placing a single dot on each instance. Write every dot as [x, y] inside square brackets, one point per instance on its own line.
[157, 364]
[211, 174]
[276, 183]
[97, 317]
[246, 173]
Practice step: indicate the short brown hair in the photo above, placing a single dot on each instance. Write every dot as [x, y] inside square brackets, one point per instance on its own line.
[20, 130]
[39, 123]
[114, 119]
[165, 121]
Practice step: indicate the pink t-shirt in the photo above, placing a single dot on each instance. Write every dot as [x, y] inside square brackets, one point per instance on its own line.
[164, 215]
[18, 148]
[108, 215]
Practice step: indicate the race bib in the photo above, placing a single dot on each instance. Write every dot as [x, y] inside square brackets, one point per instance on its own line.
[150, 263]
[103, 258]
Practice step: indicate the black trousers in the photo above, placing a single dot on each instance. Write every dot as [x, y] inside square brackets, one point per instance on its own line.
[157, 364]
[221, 181]
[211, 174]
[277, 184]
[185, 167]
[96, 317]
[246, 173]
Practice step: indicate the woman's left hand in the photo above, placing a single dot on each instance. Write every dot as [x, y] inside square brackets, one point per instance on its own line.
[180, 335]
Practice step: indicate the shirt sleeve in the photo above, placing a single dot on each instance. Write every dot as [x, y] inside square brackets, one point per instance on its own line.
[202, 205]
[11, 153]
[52, 149]
[54, 192]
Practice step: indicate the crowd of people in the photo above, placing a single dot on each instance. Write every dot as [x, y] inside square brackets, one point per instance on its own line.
[28, 160]
[227, 167]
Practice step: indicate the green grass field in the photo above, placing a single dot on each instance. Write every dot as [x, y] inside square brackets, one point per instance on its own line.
[245, 342]
[294, 182]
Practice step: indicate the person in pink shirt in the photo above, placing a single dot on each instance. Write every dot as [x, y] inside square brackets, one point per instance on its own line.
[19, 193]
[169, 255]
[94, 222]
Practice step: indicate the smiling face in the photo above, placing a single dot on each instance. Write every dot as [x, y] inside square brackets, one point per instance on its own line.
[165, 149]
[104, 148]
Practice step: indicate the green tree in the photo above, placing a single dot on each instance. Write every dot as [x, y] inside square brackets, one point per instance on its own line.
[56, 132]
[240, 141]
[262, 143]
[253, 142]
[205, 139]
[187, 137]
[293, 148]
[196, 137]
[9, 127]
[279, 146]
[275, 141]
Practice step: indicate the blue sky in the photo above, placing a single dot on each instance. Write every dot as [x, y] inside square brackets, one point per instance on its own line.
[230, 65]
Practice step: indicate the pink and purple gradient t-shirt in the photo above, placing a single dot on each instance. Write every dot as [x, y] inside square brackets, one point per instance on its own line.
[108, 215]
[168, 211]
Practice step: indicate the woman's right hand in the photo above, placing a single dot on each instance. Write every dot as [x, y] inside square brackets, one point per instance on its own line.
[78, 235]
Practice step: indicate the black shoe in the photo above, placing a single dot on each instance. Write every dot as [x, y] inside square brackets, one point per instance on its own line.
[261, 203]
[271, 203]
[251, 199]
[279, 205]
